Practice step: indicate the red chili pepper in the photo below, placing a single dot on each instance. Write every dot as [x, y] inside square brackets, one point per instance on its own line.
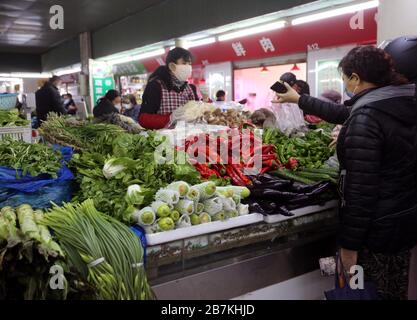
[292, 163]
[242, 177]
[265, 170]
[205, 171]
[268, 157]
[268, 149]
[219, 168]
[234, 176]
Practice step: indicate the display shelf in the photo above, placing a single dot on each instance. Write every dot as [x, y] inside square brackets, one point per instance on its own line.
[202, 229]
[301, 212]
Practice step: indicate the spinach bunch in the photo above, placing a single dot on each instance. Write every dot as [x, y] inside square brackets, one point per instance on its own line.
[33, 159]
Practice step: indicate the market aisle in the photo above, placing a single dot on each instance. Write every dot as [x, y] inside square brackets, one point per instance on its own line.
[310, 286]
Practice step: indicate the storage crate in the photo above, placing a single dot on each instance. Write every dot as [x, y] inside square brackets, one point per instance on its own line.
[17, 133]
[8, 101]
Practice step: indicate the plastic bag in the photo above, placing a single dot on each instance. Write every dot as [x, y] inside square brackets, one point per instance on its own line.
[141, 234]
[289, 116]
[37, 191]
[57, 193]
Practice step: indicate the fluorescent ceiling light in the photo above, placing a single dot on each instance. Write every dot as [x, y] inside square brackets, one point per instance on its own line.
[27, 75]
[18, 37]
[137, 57]
[10, 79]
[195, 37]
[198, 43]
[26, 22]
[201, 42]
[68, 71]
[252, 31]
[336, 12]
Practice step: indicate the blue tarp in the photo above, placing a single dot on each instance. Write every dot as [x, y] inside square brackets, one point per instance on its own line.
[36, 191]
[140, 233]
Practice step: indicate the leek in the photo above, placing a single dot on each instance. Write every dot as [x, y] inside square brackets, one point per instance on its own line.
[213, 206]
[181, 187]
[195, 219]
[144, 217]
[161, 209]
[206, 189]
[204, 218]
[185, 207]
[166, 224]
[170, 197]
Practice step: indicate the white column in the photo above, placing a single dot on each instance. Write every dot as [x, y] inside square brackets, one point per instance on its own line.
[179, 43]
[85, 55]
[396, 18]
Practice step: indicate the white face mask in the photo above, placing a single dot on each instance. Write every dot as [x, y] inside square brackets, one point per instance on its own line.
[127, 106]
[183, 72]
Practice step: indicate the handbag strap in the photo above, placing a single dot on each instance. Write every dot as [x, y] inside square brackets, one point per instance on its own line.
[341, 274]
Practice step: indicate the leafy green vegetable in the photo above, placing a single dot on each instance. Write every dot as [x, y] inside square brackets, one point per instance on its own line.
[311, 151]
[27, 253]
[106, 252]
[33, 159]
[140, 168]
[80, 135]
[11, 118]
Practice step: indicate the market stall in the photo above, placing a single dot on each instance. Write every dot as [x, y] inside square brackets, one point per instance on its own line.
[131, 79]
[123, 209]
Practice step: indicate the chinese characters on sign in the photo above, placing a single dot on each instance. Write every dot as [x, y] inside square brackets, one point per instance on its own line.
[101, 86]
[313, 47]
[239, 49]
[267, 45]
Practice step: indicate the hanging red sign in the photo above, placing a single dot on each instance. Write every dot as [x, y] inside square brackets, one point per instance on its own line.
[358, 28]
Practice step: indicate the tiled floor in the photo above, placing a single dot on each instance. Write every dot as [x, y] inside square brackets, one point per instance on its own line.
[310, 286]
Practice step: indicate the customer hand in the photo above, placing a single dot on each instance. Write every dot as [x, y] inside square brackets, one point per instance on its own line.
[349, 258]
[291, 96]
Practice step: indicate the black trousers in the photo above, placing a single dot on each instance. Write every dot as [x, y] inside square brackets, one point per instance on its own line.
[388, 272]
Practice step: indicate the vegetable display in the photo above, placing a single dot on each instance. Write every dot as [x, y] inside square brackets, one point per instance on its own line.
[231, 118]
[205, 206]
[272, 195]
[104, 251]
[126, 123]
[192, 112]
[106, 180]
[308, 152]
[200, 112]
[211, 163]
[11, 118]
[123, 178]
[80, 135]
[25, 158]
[27, 252]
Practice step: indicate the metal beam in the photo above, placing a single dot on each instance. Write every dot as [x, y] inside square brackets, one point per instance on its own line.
[176, 18]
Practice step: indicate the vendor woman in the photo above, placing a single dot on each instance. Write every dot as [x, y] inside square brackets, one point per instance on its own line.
[167, 90]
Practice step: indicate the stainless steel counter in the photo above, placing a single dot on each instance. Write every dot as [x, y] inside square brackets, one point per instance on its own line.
[231, 263]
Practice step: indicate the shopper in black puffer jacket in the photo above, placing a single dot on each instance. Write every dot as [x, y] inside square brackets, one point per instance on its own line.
[377, 150]
[107, 105]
